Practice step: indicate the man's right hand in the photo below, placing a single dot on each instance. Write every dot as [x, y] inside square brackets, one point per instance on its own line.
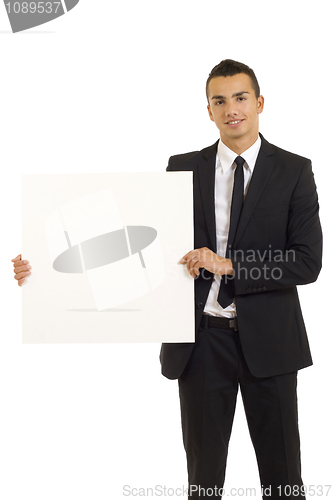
[21, 269]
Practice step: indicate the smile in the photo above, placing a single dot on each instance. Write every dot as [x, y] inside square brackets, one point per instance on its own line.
[234, 123]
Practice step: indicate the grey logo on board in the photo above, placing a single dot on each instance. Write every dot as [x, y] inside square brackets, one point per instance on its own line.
[26, 14]
[120, 262]
[105, 249]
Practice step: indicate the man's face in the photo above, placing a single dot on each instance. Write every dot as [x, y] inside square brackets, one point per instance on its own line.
[235, 110]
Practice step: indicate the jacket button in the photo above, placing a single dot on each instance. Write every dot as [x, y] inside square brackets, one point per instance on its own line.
[200, 305]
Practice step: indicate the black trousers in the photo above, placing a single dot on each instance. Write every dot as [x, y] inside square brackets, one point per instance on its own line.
[208, 390]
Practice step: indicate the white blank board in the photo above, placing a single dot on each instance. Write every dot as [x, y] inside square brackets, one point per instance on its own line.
[104, 251]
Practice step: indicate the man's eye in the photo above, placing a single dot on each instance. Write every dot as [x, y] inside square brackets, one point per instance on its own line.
[241, 98]
[219, 102]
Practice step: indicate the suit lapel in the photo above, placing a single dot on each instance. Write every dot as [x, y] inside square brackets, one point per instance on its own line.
[261, 173]
[206, 177]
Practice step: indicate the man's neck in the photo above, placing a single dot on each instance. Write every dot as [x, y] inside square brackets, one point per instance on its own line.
[239, 145]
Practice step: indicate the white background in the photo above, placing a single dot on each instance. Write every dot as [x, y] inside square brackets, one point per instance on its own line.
[104, 88]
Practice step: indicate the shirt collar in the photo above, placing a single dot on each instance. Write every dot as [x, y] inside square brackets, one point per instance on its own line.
[227, 157]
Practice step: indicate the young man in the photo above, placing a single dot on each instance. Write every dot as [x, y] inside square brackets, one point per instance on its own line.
[257, 236]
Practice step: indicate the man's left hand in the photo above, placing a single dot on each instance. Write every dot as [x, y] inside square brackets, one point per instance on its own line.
[204, 257]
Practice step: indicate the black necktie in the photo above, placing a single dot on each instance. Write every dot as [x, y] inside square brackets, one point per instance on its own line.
[226, 293]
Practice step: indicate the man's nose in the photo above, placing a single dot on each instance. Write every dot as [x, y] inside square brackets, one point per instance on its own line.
[231, 109]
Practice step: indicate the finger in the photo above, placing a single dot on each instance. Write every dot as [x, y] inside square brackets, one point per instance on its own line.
[19, 257]
[187, 256]
[20, 263]
[192, 262]
[22, 275]
[192, 267]
[195, 272]
[184, 259]
[21, 269]
[21, 281]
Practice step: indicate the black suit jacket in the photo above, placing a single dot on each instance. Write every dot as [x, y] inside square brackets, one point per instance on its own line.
[277, 246]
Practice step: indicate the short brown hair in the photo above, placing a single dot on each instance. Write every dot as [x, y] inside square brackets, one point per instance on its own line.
[228, 67]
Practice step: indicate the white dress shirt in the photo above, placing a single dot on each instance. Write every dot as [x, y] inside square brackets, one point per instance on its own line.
[224, 181]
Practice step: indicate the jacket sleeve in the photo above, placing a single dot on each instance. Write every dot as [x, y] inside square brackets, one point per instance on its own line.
[169, 167]
[300, 262]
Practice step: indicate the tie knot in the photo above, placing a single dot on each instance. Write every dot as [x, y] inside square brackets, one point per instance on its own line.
[239, 161]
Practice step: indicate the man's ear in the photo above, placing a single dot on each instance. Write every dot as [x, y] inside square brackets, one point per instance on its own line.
[261, 101]
[210, 113]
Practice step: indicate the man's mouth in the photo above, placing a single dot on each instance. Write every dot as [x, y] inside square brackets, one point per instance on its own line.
[234, 122]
